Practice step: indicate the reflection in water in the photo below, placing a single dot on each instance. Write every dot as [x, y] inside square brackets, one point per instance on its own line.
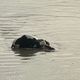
[28, 53]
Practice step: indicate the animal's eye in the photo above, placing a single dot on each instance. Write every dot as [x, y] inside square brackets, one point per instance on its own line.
[47, 42]
[42, 43]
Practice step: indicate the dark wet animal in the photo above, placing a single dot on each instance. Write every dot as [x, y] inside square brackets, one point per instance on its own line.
[26, 41]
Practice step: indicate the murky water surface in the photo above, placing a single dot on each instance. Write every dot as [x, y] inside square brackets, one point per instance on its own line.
[57, 21]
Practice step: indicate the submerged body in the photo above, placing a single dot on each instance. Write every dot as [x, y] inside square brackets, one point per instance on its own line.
[26, 41]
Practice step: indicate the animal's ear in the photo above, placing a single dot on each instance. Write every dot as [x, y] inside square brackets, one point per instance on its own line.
[24, 36]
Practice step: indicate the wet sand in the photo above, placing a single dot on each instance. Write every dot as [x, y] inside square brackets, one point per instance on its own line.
[57, 21]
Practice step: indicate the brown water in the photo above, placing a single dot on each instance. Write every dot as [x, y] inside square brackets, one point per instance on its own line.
[57, 21]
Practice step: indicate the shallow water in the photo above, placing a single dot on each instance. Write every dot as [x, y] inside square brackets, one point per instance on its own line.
[57, 21]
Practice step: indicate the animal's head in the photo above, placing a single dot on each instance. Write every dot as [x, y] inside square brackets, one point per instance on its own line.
[45, 44]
